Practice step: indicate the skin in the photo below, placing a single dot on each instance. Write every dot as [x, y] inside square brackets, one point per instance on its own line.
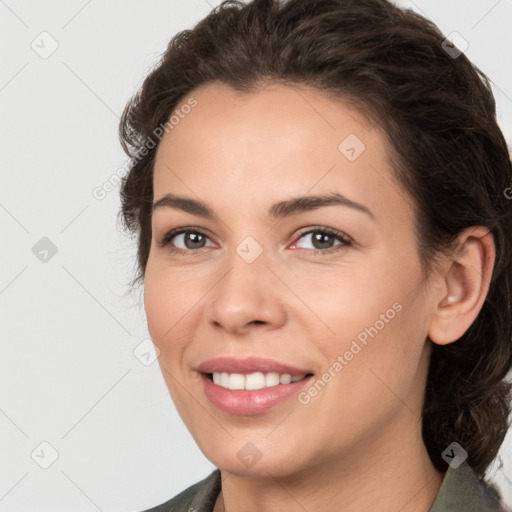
[357, 444]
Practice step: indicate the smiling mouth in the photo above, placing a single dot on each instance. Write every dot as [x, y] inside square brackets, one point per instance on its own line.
[253, 381]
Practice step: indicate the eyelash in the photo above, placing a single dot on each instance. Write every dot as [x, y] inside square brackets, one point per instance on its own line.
[345, 241]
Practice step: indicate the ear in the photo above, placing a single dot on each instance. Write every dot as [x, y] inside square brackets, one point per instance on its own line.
[464, 287]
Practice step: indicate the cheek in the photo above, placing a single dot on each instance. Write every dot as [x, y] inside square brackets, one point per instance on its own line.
[371, 380]
[166, 307]
[377, 317]
[165, 303]
[349, 298]
[386, 354]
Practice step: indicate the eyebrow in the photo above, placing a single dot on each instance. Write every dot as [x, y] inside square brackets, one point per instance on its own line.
[278, 210]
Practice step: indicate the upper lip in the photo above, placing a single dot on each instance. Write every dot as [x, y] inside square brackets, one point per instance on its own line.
[248, 365]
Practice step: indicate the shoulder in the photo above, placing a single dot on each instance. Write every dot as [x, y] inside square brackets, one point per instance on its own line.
[199, 497]
[463, 490]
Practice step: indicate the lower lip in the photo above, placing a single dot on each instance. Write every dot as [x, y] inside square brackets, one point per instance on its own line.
[249, 402]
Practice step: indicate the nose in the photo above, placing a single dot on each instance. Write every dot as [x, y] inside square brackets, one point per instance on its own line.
[248, 296]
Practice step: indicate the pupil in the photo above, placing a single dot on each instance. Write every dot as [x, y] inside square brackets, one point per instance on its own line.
[319, 238]
[193, 237]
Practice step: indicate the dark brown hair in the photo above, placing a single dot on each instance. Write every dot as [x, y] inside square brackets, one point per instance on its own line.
[438, 115]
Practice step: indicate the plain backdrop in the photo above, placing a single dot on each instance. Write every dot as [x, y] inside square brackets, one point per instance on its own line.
[85, 422]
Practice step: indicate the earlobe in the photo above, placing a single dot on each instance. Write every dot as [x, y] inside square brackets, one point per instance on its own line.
[465, 286]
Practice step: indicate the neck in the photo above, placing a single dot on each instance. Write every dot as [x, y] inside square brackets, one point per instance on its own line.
[394, 472]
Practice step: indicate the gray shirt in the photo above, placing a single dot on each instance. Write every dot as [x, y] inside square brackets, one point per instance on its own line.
[461, 491]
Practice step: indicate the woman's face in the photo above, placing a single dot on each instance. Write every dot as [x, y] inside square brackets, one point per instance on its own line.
[269, 274]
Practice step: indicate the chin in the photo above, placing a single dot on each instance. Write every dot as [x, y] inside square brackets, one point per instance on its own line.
[244, 458]
[263, 469]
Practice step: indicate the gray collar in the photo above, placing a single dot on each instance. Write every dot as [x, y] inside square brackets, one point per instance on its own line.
[461, 490]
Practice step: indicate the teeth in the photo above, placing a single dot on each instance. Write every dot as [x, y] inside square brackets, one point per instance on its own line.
[253, 381]
[286, 378]
[271, 379]
[236, 381]
[224, 379]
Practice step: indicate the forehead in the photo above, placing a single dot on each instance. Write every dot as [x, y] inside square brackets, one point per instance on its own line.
[277, 113]
[279, 140]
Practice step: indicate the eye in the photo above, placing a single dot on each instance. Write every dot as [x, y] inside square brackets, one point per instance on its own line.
[191, 238]
[322, 239]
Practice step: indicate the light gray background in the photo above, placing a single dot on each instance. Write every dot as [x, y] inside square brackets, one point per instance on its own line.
[69, 376]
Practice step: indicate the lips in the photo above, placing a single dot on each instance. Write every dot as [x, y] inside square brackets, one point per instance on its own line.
[249, 365]
[245, 401]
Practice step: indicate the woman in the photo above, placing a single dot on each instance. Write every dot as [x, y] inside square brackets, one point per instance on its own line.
[320, 192]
